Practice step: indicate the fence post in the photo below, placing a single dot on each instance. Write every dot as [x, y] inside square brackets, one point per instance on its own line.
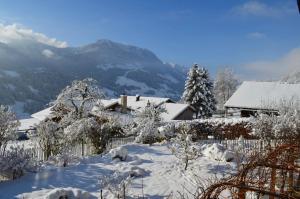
[124, 192]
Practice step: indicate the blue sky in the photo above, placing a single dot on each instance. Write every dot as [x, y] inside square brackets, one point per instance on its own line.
[249, 36]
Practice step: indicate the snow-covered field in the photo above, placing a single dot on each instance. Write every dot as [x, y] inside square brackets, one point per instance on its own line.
[163, 174]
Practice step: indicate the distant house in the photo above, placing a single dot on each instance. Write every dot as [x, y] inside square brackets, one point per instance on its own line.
[126, 105]
[252, 97]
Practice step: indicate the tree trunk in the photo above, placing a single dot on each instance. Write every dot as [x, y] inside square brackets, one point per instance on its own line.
[82, 148]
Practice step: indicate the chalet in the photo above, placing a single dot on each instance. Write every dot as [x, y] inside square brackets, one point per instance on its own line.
[128, 104]
[124, 107]
[252, 97]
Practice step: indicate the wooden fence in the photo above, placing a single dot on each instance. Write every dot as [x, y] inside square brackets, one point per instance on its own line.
[115, 142]
[242, 145]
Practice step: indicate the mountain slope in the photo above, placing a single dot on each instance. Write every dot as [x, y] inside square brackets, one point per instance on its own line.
[33, 73]
[292, 78]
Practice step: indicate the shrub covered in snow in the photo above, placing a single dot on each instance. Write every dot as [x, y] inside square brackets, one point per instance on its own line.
[15, 162]
[119, 152]
[182, 146]
[50, 137]
[68, 193]
[219, 128]
[8, 127]
[63, 159]
[217, 152]
[284, 126]
[148, 120]
[116, 183]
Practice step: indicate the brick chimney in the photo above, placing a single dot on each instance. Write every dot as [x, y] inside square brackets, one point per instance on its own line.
[123, 103]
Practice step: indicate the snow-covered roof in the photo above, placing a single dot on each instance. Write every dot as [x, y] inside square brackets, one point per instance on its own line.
[262, 95]
[173, 110]
[142, 102]
[43, 114]
[26, 124]
[108, 103]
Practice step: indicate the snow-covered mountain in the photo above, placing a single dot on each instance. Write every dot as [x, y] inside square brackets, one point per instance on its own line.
[292, 78]
[33, 73]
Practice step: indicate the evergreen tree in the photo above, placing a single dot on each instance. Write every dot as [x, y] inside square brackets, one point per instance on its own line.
[198, 92]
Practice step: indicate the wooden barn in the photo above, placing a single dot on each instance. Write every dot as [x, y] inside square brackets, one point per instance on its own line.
[252, 97]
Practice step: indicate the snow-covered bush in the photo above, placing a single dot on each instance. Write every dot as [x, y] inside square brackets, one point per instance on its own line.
[219, 128]
[148, 120]
[68, 193]
[50, 138]
[119, 152]
[8, 127]
[64, 159]
[263, 126]
[167, 130]
[217, 152]
[182, 146]
[94, 130]
[284, 126]
[15, 162]
[116, 183]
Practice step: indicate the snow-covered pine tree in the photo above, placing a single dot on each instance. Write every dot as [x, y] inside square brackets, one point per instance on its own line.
[198, 92]
[224, 87]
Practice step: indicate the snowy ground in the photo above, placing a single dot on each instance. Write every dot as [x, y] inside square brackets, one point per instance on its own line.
[165, 174]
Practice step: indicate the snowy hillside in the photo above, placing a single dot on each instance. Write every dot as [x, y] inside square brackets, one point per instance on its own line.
[33, 73]
[162, 172]
[292, 78]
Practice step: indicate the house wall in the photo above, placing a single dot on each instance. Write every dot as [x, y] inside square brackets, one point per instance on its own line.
[186, 115]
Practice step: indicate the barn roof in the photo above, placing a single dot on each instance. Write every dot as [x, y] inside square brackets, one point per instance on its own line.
[174, 110]
[263, 95]
[43, 114]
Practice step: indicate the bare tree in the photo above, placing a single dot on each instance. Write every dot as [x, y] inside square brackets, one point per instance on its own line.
[224, 86]
[182, 146]
[8, 127]
[80, 97]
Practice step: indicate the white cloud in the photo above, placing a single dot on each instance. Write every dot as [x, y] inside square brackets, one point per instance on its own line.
[257, 8]
[276, 69]
[47, 53]
[10, 33]
[256, 35]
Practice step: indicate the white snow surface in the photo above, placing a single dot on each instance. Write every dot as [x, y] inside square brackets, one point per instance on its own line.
[173, 110]
[26, 124]
[69, 192]
[43, 114]
[119, 152]
[262, 95]
[143, 101]
[217, 152]
[162, 172]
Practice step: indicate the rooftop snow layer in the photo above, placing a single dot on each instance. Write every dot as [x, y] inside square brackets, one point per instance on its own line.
[43, 114]
[26, 124]
[142, 102]
[173, 110]
[262, 95]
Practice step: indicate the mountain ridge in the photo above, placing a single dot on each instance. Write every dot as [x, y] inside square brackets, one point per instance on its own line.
[33, 73]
